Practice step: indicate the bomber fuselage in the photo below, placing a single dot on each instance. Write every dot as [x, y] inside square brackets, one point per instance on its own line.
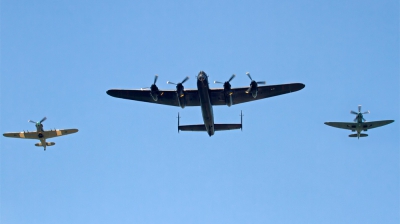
[205, 102]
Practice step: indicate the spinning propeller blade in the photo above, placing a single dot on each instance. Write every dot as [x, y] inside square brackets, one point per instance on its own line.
[183, 81]
[229, 80]
[43, 119]
[248, 90]
[155, 79]
[260, 82]
[187, 78]
[248, 74]
[232, 77]
[359, 114]
[154, 83]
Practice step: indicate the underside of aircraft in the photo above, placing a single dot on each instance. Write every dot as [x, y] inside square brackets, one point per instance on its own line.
[206, 98]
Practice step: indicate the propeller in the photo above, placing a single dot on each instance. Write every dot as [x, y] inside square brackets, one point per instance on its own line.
[183, 81]
[154, 92]
[230, 79]
[227, 85]
[180, 91]
[261, 82]
[359, 113]
[43, 119]
[154, 83]
[253, 86]
[179, 86]
[40, 122]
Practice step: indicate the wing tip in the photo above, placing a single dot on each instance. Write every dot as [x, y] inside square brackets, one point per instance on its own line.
[301, 86]
[109, 92]
[296, 87]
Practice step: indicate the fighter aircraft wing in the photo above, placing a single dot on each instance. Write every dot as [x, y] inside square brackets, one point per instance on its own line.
[26, 135]
[35, 135]
[353, 126]
[343, 125]
[166, 97]
[240, 96]
[58, 132]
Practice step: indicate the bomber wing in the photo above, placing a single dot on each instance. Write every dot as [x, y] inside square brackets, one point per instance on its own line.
[353, 126]
[240, 96]
[166, 97]
[169, 97]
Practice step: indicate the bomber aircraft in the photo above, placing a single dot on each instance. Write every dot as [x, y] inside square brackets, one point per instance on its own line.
[41, 134]
[206, 98]
[359, 124]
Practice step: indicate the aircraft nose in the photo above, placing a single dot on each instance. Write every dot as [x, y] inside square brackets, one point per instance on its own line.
[202, 76]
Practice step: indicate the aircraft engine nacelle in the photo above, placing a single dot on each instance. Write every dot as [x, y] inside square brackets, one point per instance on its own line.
[228, 100]
[180, 93]
[182, 101]
[154, 92]
[228, 94]
[253, 89]
[227, 91]
[47, 144]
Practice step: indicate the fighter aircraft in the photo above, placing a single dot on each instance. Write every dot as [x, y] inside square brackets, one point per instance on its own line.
[359, 124]
[206, 98]
[41, 134]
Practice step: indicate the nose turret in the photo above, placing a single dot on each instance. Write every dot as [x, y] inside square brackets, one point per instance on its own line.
[202, 76]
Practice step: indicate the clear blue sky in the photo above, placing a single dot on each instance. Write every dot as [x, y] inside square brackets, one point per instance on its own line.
[128, 164]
